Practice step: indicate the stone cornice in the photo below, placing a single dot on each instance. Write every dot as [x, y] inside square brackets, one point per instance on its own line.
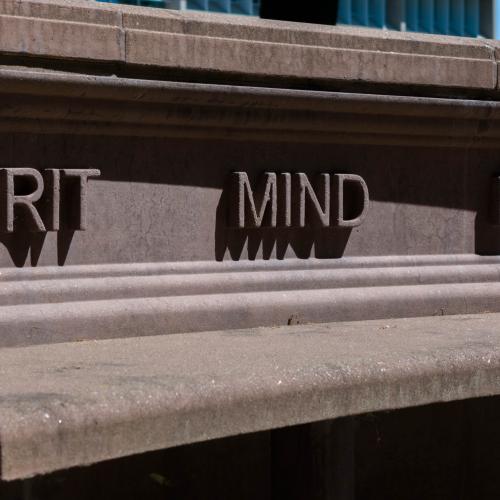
[110, 105]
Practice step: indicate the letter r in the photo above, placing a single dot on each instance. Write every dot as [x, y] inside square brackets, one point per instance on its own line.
[10, 201]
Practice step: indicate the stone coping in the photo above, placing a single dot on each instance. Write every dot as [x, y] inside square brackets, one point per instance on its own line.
[231, 49]
[72, 404]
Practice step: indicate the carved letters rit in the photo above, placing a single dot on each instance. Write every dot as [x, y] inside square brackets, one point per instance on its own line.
[291, 200]
[21, 188]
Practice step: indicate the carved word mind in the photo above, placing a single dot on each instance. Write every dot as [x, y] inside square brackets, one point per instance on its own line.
[292, 200]
[21, 188]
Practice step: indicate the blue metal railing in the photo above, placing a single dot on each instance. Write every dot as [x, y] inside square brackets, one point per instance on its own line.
[143, 3]
[450, 17]
[248, 7]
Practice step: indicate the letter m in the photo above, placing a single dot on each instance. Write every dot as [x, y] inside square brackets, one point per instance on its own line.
[249, 208]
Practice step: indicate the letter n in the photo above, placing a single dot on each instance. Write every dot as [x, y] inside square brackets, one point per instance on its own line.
[249, 208]
[308, 207]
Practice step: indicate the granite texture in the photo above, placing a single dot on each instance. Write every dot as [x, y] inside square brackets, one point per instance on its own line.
[77, 403]
[96, 302]
[166, 105]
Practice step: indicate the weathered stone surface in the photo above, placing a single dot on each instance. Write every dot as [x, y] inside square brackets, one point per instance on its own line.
[205, 44]
[88, 302]
[87, 11]
[151, 188]
[87, 104]
[57, 39]
[262, 60]
[74, 404]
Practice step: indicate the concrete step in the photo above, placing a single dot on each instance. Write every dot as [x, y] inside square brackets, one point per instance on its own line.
[70, 404]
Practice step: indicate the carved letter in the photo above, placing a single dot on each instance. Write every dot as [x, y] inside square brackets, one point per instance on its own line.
[52, 203]
[243, 209]
[10, 200]
[285, 199]
[340, 181]
[308, 201]
[80, 221]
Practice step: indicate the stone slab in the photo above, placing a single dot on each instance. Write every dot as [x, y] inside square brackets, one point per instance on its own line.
[73, 404]
[32, 37]
[264, 60]
[199, 47]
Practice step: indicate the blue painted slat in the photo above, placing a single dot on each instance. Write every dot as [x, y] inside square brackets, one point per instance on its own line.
[472, 14]
[496, 19]
[242, 7]
[360, 12]
[345, 12]
[412, 23]
[140, 3]
[219, 6]
[376, 13]
[152, 3]
[442, 16]
[457, 17]
[426, 16]
[197, 4]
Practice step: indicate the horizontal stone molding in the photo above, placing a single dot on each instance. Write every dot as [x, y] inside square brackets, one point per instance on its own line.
[44, 305]
[208, 267]
[81, 104]
[78, 403]
[236, 49]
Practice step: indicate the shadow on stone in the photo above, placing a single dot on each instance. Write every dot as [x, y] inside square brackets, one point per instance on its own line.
[64, 238]
[21, 244]
[268, 242]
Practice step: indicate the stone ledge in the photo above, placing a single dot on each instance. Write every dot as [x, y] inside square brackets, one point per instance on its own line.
[236, 49]
[109, 105]
[263, 60]
[26, 36]
[91, 302]
[73, 404]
